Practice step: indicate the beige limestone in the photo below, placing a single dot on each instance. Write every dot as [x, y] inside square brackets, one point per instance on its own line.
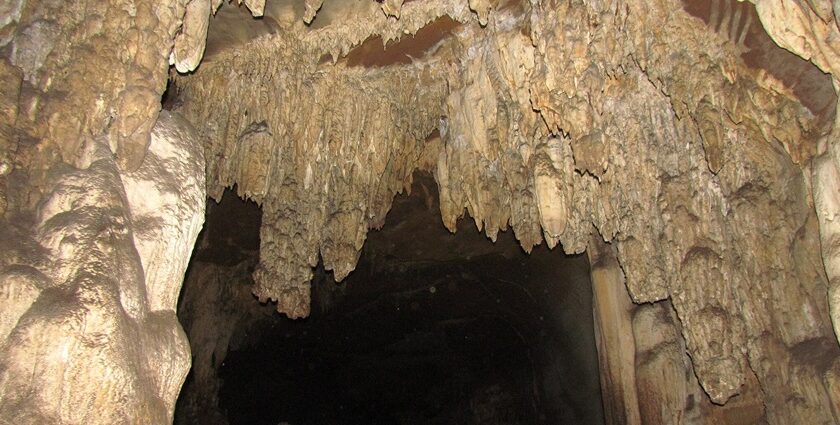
[807, 31]
[312, 7]
[614, 337]
[166, 197]
[482, 8]
[9, 14]
[95, 68]
[256, 7]
[550, 131]
[646, 373]
[555, 118]
[190, 42]
[392, 8]
[826, 178]
[78, 302]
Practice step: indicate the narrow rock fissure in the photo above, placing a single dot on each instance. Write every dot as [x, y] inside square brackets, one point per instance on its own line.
[431, 327]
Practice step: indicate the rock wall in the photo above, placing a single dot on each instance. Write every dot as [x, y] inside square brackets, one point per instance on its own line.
[89, 284]
[94, 68]
[818, 26]
[216, 303]
[646, 374]
[101, 197]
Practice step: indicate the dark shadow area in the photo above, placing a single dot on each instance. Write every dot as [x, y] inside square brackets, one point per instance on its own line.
[372, 53]
[431, 328]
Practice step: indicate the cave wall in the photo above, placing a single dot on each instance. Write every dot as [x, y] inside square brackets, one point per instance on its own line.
[102, 198]
[717, 189]
[216, 303]
[646, 373]
[90, 282]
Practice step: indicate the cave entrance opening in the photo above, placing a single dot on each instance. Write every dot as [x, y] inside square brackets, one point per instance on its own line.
[431, 328]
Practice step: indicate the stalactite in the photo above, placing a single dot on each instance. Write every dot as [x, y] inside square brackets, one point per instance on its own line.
[691, 168]
[628, 121]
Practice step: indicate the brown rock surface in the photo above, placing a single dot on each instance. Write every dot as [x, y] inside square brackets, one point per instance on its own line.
[676, 151]
[632, 121]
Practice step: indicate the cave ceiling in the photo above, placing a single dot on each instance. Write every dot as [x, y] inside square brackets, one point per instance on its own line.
[678, 132]
[698, 138]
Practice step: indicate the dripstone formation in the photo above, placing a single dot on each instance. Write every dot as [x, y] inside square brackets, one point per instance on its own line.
[690, 149]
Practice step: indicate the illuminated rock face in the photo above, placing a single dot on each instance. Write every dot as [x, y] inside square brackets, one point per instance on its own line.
[91, 281]
[636, 123]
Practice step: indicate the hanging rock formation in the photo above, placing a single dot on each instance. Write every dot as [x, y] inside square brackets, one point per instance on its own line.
[629, 122]
[677, 152]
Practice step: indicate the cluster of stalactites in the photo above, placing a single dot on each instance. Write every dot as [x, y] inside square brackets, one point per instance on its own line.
[559, 120]
[192, 36]
[190, 42]
[323, 180]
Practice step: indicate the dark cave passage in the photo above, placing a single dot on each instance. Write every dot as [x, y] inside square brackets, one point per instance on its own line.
[431, 328]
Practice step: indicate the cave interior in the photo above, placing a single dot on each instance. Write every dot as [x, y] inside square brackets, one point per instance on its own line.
[431, 328]
[480, 212]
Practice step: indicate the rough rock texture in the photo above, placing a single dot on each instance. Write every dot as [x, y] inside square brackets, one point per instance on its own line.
[89, 335]
[303, 203]
[10, 86]
[95, 68]
[632, 120]
[613, 312]
[555, 119]
[82, 303]
[216, 303]
[166, 196]
[808, 30]
[811, 31]
[646, 375]
[192, 37]
[827, 201]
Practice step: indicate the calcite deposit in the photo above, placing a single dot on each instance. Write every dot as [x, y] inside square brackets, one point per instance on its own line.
[707, 159]
[90, 282]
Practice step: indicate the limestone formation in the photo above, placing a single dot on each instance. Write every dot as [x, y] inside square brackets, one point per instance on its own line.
[95, 68]
[166, 196]
[190, 42]
[90, 282]
[212, 288]
[192, 37]
[552, 132]
[711, 176]
[392, 7]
